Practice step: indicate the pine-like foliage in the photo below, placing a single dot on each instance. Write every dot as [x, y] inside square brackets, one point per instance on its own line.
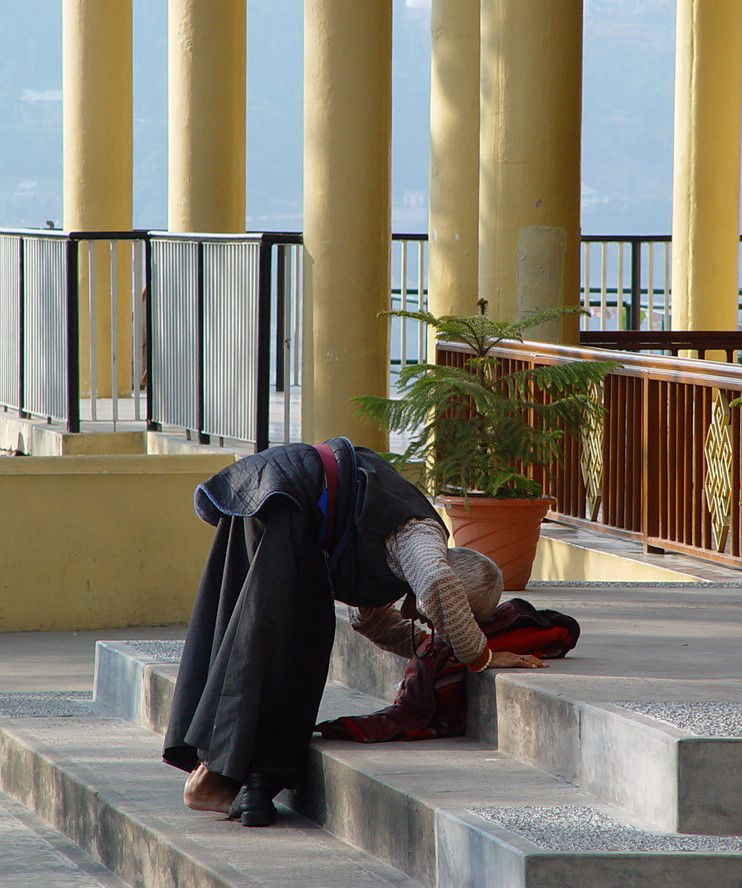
[476, 429]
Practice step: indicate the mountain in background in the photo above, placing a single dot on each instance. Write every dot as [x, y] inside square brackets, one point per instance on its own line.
[627, 114]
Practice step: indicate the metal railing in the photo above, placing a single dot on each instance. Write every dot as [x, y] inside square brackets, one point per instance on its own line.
[39, 325]
[286, 336]
[110, 289]
[668, 341]
[50, 289]
[195, 331]
[204, 331]
[409, 269]
[225, 321]
[667, 452]
[625, 282]
[195, 351]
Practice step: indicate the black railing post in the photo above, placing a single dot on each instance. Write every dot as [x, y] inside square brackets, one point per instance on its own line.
[262, 383]
[21, 326]
[152, 426]
[200, 343]
[281, 251]
[73, 337]
[635, 320]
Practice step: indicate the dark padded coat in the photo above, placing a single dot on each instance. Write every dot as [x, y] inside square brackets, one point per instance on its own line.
[258, 644]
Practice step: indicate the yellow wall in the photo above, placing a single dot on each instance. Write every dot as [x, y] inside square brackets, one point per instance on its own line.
[561, 560]
[88, 542]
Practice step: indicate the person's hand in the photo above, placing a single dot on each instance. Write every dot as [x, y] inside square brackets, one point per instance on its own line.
[504, 660]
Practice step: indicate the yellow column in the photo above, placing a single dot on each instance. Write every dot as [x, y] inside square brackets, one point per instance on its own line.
[454, 158]
[705, 217]
[347, 217]
[206, 115]
[529, 197]
[97, 177]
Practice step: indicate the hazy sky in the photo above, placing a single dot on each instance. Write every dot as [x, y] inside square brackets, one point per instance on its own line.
[627, 114]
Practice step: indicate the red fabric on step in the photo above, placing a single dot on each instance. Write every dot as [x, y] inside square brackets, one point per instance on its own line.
[431, 701]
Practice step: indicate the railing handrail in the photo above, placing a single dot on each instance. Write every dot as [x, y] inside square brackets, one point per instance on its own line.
[34, 232]
[666, 431]
[268, 237]
[625, 238]
[666, 340]
[75, 234]
[294, 237]
[671, 369]
[291, 236]
[628, 238]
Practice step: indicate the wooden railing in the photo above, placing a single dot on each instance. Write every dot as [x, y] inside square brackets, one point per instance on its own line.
[664, 467]
[672, 341]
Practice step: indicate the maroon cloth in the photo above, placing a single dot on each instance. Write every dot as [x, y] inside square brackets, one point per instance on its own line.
[431, 701]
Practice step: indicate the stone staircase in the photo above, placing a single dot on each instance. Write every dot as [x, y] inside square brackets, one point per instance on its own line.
[574, 776]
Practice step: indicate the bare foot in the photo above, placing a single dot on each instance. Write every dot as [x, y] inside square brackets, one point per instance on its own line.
[206, 790]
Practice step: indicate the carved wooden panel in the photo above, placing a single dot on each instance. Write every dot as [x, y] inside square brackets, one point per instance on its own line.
[591, 461]
[718, 483]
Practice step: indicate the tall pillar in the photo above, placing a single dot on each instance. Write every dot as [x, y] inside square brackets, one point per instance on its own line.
[529, 197]
[347, 215]
[97, 161]
[705, 215]
[207, 52]
[454, 158]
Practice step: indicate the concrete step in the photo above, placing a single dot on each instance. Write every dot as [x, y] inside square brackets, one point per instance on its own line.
[99, 780]
[135, 679]
[34, 854]
[602, 735]
[452, 812]
[666, 748]
[455, 814]
[659, 752]
[572, 846]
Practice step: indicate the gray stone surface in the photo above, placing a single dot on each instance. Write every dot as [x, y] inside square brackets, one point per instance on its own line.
[44, 704]
[162, 651]
[710, 785]
[474, 852]
[118, 679]
[106, 787]
[645, 766]
[571, 828]
[358, 663]
[558, 719]
[56, 661]
[481, 708]
[626, 764]
[703, 718]
[107, 790]
[539, 728]
[700, 585]
[32, 855]
[632, 553]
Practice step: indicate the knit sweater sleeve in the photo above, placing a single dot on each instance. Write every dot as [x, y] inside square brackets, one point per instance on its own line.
[419, 549]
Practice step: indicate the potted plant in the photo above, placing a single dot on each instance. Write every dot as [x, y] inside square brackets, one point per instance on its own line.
[476, 432]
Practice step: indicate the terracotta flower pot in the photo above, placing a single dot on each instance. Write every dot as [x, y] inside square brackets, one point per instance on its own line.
[506, 530]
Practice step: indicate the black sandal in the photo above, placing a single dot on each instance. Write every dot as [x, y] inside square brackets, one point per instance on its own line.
[254, 803]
